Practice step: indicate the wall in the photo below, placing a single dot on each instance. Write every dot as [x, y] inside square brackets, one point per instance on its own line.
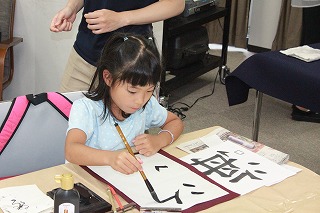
[263, 22]
[41, 57]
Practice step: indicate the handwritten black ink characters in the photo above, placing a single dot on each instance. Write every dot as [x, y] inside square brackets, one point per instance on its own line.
[160, 167]
[225, 166]
[192, 192]
[19, 204]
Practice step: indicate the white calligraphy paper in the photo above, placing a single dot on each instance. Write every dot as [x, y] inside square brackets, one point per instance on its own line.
[24, 199]
[237, 168]
[167, 177]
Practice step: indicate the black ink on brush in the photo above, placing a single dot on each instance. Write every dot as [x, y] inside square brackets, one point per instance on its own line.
[149, 186]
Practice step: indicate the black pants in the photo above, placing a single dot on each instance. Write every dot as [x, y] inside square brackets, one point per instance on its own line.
[310, 25]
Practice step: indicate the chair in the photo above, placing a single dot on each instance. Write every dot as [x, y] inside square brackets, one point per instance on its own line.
[7, 9]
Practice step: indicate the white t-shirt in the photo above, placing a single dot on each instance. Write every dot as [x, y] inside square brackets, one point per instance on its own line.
[86, 115]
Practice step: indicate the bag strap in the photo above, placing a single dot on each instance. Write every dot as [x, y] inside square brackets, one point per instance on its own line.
[14, 117]
[58, 101]
[19, 108]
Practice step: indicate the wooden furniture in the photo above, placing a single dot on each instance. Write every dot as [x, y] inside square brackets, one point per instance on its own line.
[178, 25]
[7, 43]
[278, 75]
[299, 193]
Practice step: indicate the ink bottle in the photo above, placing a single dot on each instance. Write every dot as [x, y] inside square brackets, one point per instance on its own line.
[66, 198]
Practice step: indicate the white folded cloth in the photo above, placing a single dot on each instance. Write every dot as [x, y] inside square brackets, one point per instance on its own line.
[304, 53]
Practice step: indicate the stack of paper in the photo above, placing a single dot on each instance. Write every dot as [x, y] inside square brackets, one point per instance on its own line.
[223, 134]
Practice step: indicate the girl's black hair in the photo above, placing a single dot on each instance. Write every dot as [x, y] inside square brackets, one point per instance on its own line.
[129, 58]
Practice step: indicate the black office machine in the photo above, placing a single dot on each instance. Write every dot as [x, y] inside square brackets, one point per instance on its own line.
[187, 48]
[197, 6]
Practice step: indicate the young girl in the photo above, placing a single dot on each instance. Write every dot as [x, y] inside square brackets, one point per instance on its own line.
[121, 93]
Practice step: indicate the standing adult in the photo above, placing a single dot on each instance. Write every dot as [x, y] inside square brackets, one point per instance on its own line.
[100, 18]
[310, 34]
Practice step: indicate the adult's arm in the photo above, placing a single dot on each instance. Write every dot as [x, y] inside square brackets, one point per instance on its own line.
[157, 11]
[102, 21]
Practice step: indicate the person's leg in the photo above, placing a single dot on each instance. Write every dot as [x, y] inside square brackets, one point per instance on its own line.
[77, 75]
[310, 35]
[310, 25]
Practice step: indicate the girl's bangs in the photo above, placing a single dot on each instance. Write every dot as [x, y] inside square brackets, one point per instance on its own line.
[141, 77]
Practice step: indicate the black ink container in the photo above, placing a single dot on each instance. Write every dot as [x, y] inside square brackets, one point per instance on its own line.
[66, 198]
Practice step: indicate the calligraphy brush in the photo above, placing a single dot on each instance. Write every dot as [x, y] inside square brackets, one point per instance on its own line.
[150, 188]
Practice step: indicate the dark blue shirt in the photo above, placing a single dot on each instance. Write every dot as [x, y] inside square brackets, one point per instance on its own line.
[89, 45]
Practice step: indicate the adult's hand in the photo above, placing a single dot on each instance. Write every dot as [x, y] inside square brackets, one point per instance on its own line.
[63, 20]
[102, 21]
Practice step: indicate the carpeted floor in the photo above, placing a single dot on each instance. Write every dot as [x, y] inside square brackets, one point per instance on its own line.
[299, 139]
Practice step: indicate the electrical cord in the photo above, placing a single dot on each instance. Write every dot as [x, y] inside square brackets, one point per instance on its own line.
[179, 111]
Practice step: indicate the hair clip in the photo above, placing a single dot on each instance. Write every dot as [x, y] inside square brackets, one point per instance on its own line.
[125, 38]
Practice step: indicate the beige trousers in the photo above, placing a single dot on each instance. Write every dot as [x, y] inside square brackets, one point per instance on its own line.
[78, 74]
